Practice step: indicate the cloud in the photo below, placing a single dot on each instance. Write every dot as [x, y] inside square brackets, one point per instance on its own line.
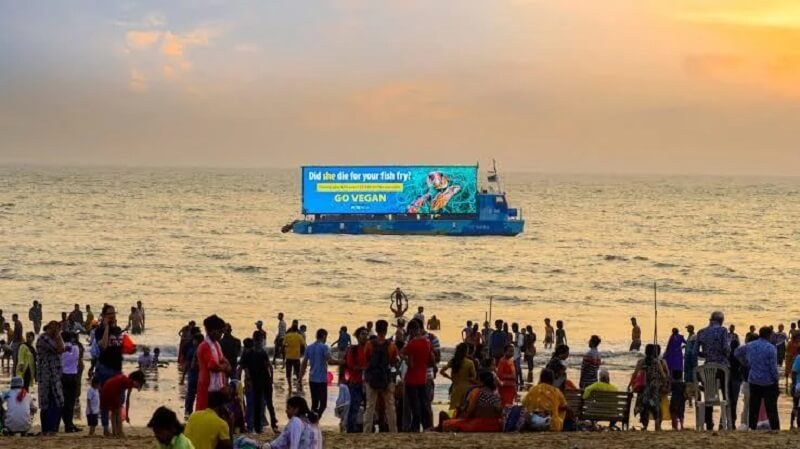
[175, 44]
[138, 81]
[142, 39]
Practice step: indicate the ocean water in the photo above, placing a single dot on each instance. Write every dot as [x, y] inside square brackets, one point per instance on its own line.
[192, 242]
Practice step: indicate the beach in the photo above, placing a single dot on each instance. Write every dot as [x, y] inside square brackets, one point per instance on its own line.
[140, 438]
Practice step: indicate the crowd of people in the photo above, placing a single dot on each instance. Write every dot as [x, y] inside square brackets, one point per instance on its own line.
[386, 375]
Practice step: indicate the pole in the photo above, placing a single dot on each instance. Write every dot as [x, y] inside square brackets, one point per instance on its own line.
[491, 298]
[655, 308]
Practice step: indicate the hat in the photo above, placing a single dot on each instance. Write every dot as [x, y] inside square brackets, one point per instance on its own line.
[17, 382]
[259, 323]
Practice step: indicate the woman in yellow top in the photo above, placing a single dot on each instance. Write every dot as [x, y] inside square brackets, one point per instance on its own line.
[546, 400]
[293, 347]
[26, 361]
[461, 371]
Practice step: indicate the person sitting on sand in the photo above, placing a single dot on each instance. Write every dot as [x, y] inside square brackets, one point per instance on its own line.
[546, 401]
[206, 428]
[111, 396]
[168, 431]
[591, 363]
[20, 408]
[480, 409]
[302, 431]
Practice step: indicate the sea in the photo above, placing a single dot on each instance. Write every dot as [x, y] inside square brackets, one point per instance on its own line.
[596, 251]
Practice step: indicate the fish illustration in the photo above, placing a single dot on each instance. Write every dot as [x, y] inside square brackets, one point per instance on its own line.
[437, 180]
[414, 207]
[441, 199]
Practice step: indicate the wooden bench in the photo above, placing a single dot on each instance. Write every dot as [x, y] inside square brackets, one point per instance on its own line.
[607, 406]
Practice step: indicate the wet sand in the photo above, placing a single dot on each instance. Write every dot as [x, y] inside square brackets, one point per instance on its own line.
[139, 438]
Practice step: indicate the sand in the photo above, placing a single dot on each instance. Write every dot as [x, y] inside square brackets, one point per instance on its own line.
[140, 438]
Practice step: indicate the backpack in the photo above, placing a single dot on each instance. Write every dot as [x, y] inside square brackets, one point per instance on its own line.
[377, 374]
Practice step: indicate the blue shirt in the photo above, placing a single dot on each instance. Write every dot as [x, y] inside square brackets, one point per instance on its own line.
[317, 355]
[714, 344]
[762, 359]
[344, 341]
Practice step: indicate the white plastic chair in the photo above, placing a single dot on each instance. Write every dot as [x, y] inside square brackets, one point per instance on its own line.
[707, 374]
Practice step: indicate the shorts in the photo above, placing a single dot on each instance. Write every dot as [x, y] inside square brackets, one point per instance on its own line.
[91, 420]
[635, 345]
[292, 365]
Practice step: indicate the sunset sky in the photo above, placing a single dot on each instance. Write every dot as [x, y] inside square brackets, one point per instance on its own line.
[611, 86]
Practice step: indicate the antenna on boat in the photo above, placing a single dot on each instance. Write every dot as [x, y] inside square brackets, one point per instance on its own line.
[493, 178]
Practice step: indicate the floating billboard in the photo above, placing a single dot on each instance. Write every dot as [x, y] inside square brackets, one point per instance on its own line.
[435, 189]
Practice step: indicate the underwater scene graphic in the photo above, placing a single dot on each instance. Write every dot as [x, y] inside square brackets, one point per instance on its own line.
[445, 189]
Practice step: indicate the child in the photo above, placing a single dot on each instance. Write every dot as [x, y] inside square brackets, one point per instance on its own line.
[92, 405]
[677, 404]
[561, 334]
[168, 430]
[548, 334]
[111, 398]
[145, 359]
[302, 431]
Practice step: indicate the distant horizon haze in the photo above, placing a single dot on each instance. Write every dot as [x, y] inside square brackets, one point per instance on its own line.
[555, 86]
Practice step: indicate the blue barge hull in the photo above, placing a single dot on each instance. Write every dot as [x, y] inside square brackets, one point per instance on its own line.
[443, 226]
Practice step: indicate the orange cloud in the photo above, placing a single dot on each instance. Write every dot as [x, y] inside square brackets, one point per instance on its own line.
[175, 44]
[406, 100]
[143, 39]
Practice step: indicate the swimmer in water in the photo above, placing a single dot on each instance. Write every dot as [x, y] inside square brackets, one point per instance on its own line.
[399, 303]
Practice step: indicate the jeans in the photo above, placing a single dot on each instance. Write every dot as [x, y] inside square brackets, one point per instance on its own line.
[319, 397]
[769, 394]
[255, 408]
[388, 404]
[356, 397]
[529, 361]
[420, 405]
[102, 373]
[69, 385]
[191, 394]
[266, 402]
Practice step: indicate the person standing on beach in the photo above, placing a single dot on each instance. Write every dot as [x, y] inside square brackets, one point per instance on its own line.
[140, 311]
[317, 355]
[561, 334]
[751, 336]
[260, 330]
[109, 362]
[497, 343]
[257, 372]
[636, 336]
[35, 316]
[530, 350]
[761, 357]
[420, 315]
[87, 324]
[519, 349]
[17, 338]
[507, 374]
[185, 335]
[279, 336]
[70, 380]
[732, 331]
[231, 348]
[191, 370]
[356, 363]
[674, 354]
[418, 354]
[549, 334]
[49, 347]
[293, 346]
[779, 340]
[76, 316]
[591, 363]
[714, 346]
[213, 368]
[26, 361]
[380, 355]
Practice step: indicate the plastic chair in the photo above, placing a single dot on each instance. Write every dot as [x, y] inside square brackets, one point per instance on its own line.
[707, 374]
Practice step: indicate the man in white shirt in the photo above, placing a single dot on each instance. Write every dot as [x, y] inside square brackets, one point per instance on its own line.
[20, 408]
[69, 379]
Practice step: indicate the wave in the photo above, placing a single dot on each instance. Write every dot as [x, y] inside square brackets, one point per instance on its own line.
[246, 269]
[612, 257]
[376, 260]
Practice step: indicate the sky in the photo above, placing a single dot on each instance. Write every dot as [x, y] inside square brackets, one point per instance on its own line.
[572, 86]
